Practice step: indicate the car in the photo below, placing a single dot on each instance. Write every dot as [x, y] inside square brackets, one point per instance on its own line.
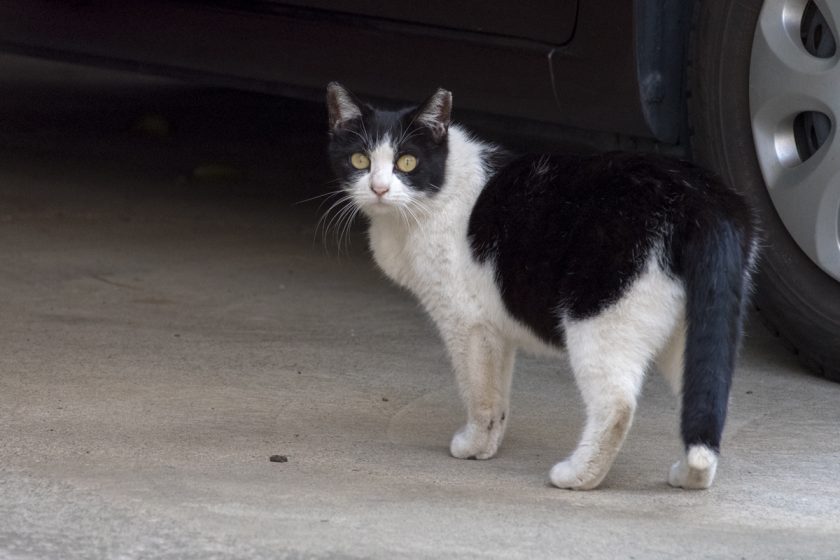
[746, 88]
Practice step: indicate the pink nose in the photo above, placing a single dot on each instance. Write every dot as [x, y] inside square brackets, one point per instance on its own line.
[380, 190]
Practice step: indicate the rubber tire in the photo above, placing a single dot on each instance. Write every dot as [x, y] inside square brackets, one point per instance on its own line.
[795, 298]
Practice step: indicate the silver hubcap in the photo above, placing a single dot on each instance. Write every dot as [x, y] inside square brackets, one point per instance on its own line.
[795, 106]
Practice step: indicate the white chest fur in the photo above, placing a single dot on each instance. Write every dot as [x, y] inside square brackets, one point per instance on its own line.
[432, 258]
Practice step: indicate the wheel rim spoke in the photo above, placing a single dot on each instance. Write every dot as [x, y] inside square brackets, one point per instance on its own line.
[807, 198]
[787, 82]
[783, 75]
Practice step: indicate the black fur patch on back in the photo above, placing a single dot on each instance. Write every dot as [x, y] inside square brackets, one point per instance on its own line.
[568, 234]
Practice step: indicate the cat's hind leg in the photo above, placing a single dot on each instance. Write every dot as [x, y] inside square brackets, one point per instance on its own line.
[670, 360]
[483, 363]
[609, 354]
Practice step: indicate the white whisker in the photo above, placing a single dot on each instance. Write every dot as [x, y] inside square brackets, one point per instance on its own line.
[366, 139]
[341, 222]
[402, 137]
[345, 212]
[348, 227]
[363, 138]
[331, 193]
[326, 219]
[408, 137]
[335, 220]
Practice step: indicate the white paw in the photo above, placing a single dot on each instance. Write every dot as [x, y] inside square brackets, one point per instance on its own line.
[477, 441]
[568, 474]
[696, 470]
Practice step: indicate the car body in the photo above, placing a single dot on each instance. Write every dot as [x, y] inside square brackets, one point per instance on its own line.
[579, 63]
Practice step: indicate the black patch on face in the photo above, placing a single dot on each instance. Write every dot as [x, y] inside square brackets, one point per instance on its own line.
[365, 133]
[568, 234]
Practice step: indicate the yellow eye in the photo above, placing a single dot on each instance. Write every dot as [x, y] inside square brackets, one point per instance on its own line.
[407, 163]
[360, 161]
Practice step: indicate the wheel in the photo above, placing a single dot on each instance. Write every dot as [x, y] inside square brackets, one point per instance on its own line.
[764, 102]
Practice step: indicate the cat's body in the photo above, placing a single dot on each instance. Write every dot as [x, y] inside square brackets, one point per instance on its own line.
[625, 260]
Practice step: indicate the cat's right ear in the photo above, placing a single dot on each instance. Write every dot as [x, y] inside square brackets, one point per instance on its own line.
[342, 105]
[436, 113]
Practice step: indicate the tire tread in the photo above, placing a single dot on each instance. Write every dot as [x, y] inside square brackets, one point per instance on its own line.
[819, 353]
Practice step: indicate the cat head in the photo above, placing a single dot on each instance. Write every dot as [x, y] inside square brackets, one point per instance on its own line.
[388, 160]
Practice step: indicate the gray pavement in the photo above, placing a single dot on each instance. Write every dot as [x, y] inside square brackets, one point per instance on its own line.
[164, 332]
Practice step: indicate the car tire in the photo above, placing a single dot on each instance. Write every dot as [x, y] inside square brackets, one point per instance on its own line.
[796, 299]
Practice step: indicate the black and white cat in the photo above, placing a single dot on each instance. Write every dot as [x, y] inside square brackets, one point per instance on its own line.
[626, 260]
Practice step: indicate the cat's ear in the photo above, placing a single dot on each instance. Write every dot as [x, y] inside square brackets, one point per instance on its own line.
[436, 113]
[342, 105]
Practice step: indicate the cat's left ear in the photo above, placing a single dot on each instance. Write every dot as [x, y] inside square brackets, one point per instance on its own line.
[436, 113]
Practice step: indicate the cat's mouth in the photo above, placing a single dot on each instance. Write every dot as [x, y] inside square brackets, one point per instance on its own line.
[379, 206]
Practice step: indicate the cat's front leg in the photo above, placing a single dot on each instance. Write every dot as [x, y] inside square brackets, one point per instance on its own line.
[483, 363]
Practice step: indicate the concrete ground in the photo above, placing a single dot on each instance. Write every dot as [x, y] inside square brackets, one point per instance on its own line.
[170, 320]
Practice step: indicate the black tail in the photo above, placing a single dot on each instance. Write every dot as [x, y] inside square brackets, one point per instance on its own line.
[715, 266]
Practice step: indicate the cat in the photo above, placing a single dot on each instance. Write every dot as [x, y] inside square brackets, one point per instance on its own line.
[623, 260]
